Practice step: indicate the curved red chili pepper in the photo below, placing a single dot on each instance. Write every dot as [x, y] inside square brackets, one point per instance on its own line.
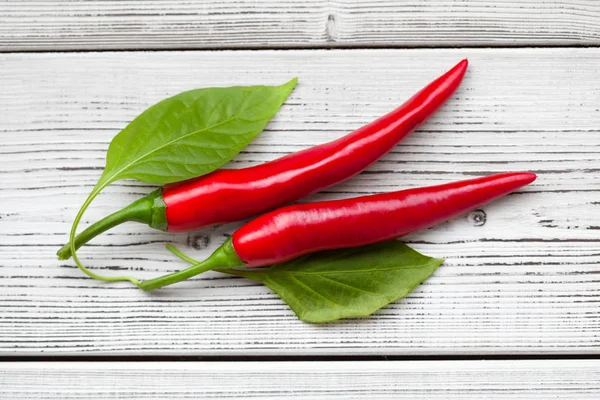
[293, 231]
[232, 195]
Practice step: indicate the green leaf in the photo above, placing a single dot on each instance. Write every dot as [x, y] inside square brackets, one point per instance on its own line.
[187, 135]
[192, 133]
[346, 283]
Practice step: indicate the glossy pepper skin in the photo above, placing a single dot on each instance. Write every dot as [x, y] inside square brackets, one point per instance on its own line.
[290, 232]
[293, 231]
[232, 195]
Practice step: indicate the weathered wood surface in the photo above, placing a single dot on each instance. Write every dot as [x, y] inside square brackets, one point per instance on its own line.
[539, 379]
[521, 275]
[160, 24]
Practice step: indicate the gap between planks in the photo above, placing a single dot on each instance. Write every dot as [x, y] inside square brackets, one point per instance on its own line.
[343, 47]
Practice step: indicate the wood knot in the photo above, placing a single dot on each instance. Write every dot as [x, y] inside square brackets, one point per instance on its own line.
[198, 241]
[331, 29]
[477, 217]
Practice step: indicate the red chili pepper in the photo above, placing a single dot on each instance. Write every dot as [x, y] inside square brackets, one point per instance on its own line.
[293, 231]
[232, 195]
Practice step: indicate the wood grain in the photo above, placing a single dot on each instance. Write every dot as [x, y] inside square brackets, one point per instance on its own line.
[195, 24]
[539, 379]
[521, 274]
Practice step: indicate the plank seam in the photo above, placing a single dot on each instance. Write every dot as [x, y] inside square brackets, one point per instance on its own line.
[149, 358]
[308, 47]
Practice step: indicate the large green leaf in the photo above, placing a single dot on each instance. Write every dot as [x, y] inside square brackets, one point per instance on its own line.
[192, 133]
[184, 136]
[327, 286]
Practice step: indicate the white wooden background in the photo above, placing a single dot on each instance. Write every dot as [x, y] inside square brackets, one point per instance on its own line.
[541, 379]
[166, 24]
[521, 277]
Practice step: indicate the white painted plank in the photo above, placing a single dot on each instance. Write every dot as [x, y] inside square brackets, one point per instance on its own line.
[539, 379]
[525, 281]
[129, 24]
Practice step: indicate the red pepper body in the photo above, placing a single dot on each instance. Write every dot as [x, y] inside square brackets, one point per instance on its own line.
[292, 231]
[232, 195]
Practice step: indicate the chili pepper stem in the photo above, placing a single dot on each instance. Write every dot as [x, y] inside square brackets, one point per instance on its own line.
[178, 276]
[97, 189]
[146, 210]
[224, 257]
[181, 255]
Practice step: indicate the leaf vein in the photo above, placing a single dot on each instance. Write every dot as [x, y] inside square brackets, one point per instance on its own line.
[350, 286]
[134, 162]
[315, 292]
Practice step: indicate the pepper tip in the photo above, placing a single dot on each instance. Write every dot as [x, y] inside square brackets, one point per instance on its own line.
[530, 176]
[525, 178]
[459, 70]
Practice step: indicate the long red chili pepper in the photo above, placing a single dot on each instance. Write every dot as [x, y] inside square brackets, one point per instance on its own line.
[292, 231]
[232, 195]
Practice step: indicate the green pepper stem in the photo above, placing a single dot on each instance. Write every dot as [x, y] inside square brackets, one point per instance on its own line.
[149, 210]
[97, 189]
[181, 255]
[224, 257]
